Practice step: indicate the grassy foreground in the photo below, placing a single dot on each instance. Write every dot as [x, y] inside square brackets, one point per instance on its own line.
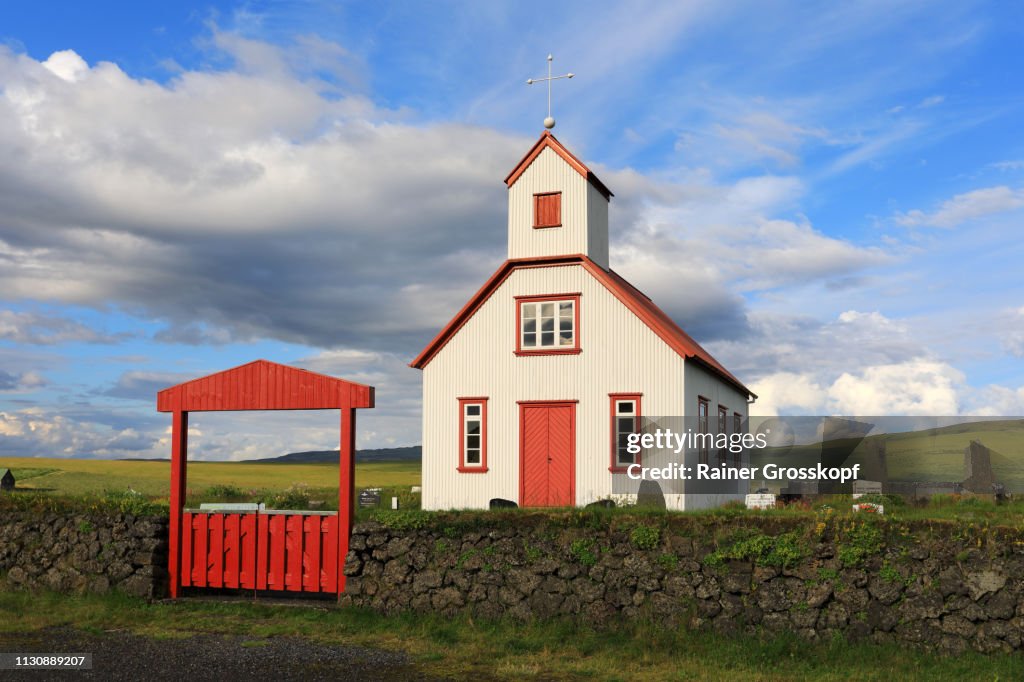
[463, 648]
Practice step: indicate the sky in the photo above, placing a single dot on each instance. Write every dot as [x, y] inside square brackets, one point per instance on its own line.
[828, 196]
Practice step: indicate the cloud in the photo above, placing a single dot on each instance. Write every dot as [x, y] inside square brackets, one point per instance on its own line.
[37, 329]
[965, 207]
[36, 432]
[140, 385]
[917, 387]
[25, 381]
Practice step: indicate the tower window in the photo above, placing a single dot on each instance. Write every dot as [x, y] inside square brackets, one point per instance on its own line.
[547, 209]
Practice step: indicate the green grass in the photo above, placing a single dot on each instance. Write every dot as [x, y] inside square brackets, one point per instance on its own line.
[464, 648]
[84, 476]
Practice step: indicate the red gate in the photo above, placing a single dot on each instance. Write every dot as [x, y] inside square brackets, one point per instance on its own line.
[265, 550]
[262, 550]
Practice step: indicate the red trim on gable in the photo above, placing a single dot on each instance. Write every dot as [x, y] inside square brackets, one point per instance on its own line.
[642, 306]
[549, 141]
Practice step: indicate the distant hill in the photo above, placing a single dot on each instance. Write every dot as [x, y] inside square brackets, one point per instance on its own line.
[411, 453]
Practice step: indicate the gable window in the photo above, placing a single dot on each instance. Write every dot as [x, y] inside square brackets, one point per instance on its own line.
[547, 209]
[625, 419]
[547, 324]
[702, 429]
[723, 428]
[472, 435]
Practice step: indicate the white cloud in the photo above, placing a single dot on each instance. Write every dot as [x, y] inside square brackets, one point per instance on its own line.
[965, 207]
[787, 393]
[67, 65]
[917, 387]
[38, 329]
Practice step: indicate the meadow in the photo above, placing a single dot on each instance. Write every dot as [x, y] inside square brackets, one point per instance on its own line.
[207, 481]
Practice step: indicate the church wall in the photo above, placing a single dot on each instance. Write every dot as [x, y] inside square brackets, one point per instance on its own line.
[619, 354]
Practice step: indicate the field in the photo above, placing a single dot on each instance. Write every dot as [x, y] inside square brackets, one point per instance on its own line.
[152, 479]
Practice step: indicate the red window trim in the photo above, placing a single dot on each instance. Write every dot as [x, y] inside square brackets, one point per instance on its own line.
[723, 427]
[472, 468]
[703, 450]
[536, 210]
[574, 297]
[613, 397]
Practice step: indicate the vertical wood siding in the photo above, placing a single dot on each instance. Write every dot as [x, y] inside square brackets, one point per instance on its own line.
[584, 211]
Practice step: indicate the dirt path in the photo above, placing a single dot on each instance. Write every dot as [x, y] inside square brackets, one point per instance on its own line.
[123, 656]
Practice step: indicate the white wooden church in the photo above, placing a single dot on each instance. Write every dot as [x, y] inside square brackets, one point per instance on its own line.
[530, 389]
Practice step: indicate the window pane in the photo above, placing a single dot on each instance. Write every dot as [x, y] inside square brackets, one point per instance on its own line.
[565, 325]
[624, 456]
[625, 407]
[547, 339]
[529, 340]
[565, 338]
[547, 324]
[472, 456]
[529, 310]
[547, 309]
[565, 308]
[626, 424]
[529, 326]
[472, 442]
[473, 426]
[473, 410]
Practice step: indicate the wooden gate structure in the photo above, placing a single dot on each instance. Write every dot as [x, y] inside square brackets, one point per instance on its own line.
[261, 550]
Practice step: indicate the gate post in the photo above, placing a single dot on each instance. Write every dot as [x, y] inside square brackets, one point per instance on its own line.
[346, 489]
[179, 461]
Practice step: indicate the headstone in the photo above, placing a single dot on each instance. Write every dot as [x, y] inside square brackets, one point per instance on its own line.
[862, 487]
[7, 480]
[869, 507]
[650, 495]
[760, 501]
[978, 469]
[369, 497]
[416, 489]
[605, 503]
[498, 503]
[394, 503]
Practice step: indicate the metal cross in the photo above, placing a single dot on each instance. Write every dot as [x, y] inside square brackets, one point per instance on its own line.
[549, 122]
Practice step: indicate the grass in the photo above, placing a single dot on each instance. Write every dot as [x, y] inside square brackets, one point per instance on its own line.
[464, 648]
[84, 476]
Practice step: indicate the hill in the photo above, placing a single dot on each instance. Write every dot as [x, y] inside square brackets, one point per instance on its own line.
[412, 453]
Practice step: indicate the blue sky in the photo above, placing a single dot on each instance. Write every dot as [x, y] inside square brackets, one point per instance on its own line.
[827, 195]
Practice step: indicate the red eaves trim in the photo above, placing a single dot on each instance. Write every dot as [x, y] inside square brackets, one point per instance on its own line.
[546, 141]
[642, 306]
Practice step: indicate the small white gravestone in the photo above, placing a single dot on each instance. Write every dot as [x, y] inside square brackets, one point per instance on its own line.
[761, 501]
[866, 488]
[394, 503]
[416, 489]
[869, 507]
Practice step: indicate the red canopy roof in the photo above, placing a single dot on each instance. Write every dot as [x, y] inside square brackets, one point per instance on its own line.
[264, 385]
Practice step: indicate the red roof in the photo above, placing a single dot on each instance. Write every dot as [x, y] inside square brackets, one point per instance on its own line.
[264, 385]
[641, 305]
[549, 141]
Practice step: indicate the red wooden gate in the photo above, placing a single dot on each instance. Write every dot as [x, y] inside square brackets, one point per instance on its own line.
[295, 551]
[271, 550]
[547, 458]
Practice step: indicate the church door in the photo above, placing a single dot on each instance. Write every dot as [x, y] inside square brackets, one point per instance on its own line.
[547, 457]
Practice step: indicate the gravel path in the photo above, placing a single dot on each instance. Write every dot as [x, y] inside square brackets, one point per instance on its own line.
[123, 656]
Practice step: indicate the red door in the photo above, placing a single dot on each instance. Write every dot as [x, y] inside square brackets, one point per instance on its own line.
[547, 438]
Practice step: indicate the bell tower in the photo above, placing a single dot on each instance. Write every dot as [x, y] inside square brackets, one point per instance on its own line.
[556, 205]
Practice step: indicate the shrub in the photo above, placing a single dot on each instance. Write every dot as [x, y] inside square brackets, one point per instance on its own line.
[645, 537]
[751, 545]
[583, 550]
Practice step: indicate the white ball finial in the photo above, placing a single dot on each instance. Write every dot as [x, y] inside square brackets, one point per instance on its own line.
[549, 122]
[550, 57]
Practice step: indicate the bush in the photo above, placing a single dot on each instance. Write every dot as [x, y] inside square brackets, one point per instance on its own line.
[645, 537]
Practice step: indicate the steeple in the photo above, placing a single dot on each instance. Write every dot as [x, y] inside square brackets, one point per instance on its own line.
[556, 205]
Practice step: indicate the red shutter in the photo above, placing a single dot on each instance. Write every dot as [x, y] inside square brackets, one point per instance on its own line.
[547, 209]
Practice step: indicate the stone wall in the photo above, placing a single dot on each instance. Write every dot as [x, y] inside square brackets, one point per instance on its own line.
[80, 552]
[929, 584]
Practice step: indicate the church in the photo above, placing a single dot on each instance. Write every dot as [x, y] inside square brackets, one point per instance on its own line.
[530, 391]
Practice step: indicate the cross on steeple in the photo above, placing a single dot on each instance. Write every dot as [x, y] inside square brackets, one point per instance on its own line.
[549, 122]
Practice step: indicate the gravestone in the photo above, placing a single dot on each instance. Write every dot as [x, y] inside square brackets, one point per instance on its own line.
[369, 497]
[499, 503]
[650, 495]
[862, 487]
[760, 501]
[978, 469]
[7, 480]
